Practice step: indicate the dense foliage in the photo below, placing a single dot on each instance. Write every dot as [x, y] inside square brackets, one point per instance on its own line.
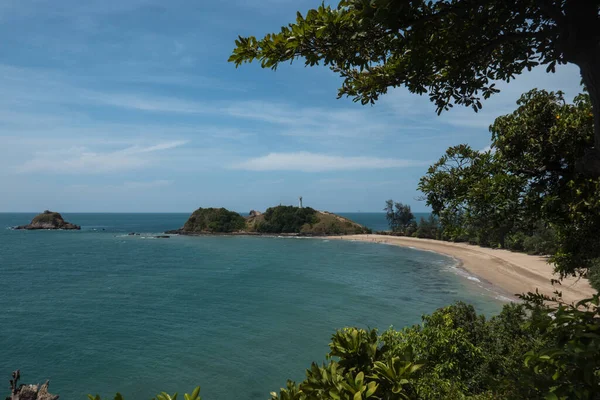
[455, 50]
[526, 193]
[428, 228]
[399, 217]
[214, 220]
[523, 353]
[541, 143]
[286, 219]
[402, 222]
[571, 366]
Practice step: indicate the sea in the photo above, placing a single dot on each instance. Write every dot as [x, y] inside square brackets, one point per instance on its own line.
[98, 311]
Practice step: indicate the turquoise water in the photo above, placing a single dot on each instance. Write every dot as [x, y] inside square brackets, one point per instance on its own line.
[99, 311]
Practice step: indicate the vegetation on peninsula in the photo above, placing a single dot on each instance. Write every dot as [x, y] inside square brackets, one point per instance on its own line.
[214, 220]
[276, 220]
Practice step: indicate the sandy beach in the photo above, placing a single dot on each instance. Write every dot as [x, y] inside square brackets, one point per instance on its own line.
[508, 272]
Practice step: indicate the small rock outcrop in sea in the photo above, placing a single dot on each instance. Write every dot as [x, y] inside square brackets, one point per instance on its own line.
[49, 220]
[28, 392]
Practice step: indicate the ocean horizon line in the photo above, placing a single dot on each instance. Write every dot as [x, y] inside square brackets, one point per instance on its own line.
[185, 212]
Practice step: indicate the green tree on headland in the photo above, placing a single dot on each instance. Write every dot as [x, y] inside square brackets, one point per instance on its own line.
[454, 50]
[400, 218]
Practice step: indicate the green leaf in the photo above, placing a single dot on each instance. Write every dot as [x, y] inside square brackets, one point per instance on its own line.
[371, 389]
[360, 377]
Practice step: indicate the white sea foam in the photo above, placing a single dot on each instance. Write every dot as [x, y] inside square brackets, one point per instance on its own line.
[505, 299]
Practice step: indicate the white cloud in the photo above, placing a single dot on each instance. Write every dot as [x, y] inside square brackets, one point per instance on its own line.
[156, 147]
[314, 162]
[147, 103]
[125, 186]
[81, 160]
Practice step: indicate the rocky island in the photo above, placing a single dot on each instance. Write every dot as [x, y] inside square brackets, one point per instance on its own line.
[280, 220]
[49, 220]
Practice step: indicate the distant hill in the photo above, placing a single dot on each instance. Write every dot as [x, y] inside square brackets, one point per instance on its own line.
[288, 220]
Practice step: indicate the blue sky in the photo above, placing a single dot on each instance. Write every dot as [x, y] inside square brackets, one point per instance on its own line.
[131, 106]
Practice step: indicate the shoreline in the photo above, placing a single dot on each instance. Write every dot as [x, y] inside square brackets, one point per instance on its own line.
[506, 272]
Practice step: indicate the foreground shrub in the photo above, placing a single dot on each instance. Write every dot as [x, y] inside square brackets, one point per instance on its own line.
[594, 275]
[161, 396]
[529, 351]
[570, 367]
[364, 369]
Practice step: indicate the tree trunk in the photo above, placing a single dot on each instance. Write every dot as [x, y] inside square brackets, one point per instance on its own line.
[590, 73]
[580, 45]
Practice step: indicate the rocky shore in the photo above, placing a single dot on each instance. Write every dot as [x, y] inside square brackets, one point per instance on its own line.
[28, 392]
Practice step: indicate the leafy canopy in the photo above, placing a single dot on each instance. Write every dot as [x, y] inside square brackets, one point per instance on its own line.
[541, 142]
[473, 196]
[454, 50]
